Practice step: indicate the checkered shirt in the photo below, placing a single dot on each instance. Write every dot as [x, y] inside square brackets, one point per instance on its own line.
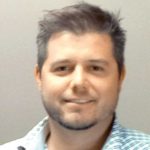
[120, 138]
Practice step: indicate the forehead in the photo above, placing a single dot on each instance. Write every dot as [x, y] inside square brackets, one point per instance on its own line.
[65, 44]
[92, 37]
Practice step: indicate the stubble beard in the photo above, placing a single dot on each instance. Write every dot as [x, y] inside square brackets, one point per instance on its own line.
[57, 116]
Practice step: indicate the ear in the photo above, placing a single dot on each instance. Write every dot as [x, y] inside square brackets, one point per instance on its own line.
[123, 73]
[122, 76]
[37, 76]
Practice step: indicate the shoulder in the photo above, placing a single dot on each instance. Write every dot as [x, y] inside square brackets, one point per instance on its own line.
[32, 139]
[134, 138]
[125, 139]
[13, 145]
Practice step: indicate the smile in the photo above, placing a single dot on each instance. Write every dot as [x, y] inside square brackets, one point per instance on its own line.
[79, 101]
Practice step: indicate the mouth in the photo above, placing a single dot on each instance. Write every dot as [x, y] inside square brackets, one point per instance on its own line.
[78, 101]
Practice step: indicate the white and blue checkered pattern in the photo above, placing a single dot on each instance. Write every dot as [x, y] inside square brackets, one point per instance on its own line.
[126, 139]
[120, 138]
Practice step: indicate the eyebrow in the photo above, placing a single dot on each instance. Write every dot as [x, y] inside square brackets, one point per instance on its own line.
[99, 61]
[65, 61]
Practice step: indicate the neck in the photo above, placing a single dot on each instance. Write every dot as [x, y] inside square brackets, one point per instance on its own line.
[65, 139]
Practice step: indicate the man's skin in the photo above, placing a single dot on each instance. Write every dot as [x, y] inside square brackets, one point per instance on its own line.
[80, 86]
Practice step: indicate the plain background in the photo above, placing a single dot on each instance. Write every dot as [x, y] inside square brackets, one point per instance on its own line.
[20, 104]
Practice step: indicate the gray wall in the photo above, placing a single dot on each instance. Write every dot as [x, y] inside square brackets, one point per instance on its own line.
[20, 104]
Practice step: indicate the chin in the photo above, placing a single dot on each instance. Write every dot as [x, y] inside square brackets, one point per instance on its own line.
[76, 125]
[73, 121]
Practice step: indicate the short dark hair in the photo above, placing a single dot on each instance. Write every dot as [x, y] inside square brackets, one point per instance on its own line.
[79, 19]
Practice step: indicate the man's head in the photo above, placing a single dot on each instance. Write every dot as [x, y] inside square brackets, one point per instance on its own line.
[79, 19]
[80, 52]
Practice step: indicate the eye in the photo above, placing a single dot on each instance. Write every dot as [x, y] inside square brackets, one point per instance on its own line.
[97, 68]
[62, 68]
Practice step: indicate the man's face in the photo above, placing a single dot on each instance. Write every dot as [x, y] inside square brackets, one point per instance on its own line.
[79, 80]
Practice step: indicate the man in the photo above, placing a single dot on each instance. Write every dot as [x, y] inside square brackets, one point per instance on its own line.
[79, 73]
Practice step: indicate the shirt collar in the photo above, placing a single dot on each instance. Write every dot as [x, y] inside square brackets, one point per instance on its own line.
[36, 138]
[114, 139]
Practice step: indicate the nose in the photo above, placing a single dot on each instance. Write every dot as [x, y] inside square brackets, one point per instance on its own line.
[79, 83]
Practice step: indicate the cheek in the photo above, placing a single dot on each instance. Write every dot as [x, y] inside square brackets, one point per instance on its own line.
[107, 87]
[108, 95]
[111, 90]
[53, 87]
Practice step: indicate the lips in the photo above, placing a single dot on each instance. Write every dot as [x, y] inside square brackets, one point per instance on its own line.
[79, 101]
